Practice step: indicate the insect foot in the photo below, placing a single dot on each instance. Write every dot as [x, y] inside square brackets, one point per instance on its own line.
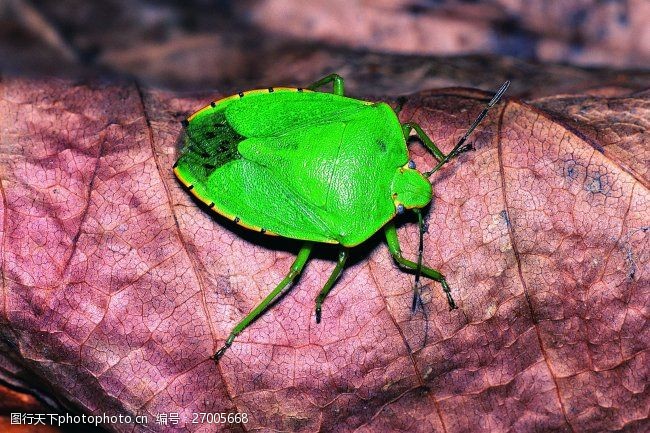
[467, 148]
[447, 290]
[417, 299]
[219, 353]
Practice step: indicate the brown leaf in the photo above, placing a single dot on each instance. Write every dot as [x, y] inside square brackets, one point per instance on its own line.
[117, 286]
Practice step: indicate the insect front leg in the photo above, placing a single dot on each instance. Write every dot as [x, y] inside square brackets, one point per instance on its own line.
[343, 256]
[295, 270]
[338, 87]
[396, 252]
[431, 145]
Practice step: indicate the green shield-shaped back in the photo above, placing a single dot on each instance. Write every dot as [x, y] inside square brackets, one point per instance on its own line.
[300, 164]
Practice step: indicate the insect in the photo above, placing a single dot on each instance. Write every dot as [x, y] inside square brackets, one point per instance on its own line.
[314, 166]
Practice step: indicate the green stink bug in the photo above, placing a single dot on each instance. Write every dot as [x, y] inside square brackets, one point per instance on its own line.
[313, 166]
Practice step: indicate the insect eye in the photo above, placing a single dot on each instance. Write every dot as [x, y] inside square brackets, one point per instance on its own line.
[411, 164]
[400, 209]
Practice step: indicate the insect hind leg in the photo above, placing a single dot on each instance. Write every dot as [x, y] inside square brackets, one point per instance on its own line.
[296, 268]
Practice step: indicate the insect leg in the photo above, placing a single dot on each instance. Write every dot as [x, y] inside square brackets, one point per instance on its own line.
[428, 142]
[295, 270]
[338, 85]
[418, 271]
[396, 252]
[343, 256]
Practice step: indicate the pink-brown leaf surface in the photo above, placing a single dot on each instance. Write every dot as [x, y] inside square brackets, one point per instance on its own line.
[117, 287]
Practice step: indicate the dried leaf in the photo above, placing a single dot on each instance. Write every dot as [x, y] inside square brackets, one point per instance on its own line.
[117, 287]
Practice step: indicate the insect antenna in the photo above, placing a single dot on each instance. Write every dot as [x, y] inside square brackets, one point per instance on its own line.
[416, 288]
[460, 146]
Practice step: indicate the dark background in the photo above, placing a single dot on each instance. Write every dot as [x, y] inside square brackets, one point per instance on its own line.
[381, 47]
